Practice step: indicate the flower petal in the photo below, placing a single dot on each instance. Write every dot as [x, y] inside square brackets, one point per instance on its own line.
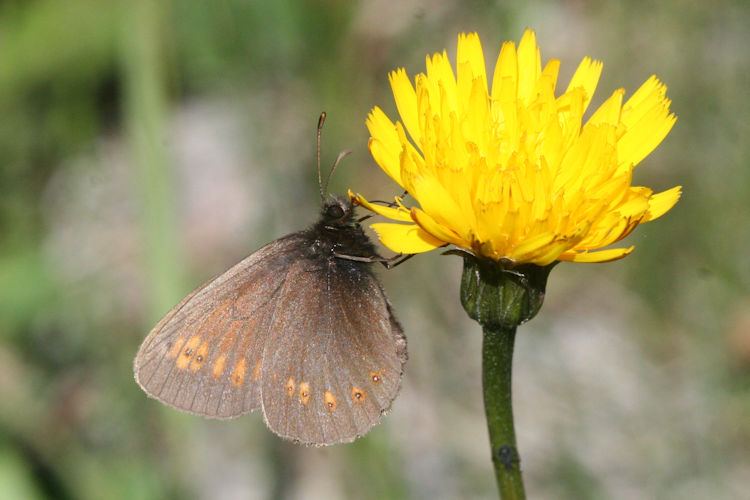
[596, 256]
[384, 144]
[406, 238]
[529, 65]
[537, 247]
[406, 102]
[470, 68]
[647, 122]
[437, 201]
[662, 202]
[609, 111]
[439, 232]
[586, 77]
[392, 213]
[505, 78]
[440, 72]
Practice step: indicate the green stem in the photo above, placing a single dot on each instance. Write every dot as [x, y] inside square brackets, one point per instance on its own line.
[497, 366]
[146, 111]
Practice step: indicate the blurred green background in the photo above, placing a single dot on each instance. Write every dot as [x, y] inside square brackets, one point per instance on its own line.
[147, 146]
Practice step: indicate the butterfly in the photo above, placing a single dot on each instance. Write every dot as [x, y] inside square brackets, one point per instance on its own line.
[301, 329]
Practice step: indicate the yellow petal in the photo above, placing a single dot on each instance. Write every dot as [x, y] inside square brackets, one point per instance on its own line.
[596, 256]
[531, 246]
[551, 70]
[442, 233]
[436, 200]
[651, 93]
[384, 144]
[411, 163]
[661, 203]
[505, 78]
[392, 213]
[609, 112]
[405, 238]
[439, 70]
[406, 102]
[633, 208]
[647, 122]
[529, 65]
[470, 65]
[587, 77]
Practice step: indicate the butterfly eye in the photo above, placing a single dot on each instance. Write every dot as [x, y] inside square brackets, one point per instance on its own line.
[335, 211]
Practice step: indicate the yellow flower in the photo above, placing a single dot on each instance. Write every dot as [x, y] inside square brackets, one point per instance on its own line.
[513, 173]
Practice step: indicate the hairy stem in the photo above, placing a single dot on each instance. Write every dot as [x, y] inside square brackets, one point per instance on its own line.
[497, 365]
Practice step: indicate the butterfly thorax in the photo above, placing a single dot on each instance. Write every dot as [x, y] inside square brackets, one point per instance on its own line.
[337, 234]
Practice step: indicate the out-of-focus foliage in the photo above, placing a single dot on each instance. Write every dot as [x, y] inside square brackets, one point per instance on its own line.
[146, 146]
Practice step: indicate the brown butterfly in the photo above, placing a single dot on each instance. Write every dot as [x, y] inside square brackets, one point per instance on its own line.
[301, 329]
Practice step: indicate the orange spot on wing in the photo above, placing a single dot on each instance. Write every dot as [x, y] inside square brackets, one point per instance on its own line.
[200, 357]
[238, 375]
[256, 370]
[219, 365]
[358, 395]
[176, 348]
[290, 386]
[187, 352]
[304, 392]
[376, 378]
[330, 400]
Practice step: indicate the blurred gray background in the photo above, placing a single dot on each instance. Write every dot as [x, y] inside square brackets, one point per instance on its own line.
[147, 146]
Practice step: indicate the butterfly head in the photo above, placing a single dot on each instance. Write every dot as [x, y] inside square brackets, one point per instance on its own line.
[337, 210]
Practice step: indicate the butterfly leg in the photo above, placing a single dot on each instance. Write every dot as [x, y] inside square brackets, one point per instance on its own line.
[396, 260]
[388, 262]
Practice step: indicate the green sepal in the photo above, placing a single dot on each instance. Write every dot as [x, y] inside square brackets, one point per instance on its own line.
[501, 294]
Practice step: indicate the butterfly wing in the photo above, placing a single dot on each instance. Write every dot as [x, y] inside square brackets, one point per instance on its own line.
[334, 358]
[204, 356]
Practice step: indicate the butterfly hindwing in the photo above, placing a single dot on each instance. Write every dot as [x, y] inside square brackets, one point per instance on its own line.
[333, 360]
[204, 357]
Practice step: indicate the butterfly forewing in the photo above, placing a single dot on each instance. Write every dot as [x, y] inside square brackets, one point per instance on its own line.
[204, 357]
[337, 354]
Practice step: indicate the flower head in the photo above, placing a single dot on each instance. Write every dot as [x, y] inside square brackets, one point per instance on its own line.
[509, 171]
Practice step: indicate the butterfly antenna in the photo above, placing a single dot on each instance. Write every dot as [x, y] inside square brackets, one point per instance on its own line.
[321, 121]
[335, 164]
